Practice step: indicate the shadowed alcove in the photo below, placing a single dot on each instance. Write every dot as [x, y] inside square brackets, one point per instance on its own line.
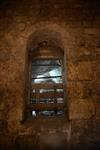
[46, 84]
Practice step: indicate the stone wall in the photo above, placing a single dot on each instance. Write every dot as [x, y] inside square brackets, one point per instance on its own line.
[76, 24]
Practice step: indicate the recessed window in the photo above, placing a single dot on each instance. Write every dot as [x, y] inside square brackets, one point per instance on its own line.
[46, 86]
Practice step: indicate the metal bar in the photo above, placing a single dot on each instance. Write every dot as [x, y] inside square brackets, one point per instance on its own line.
[46, 65]
[47, 86]
[47, 95]
[48, 77]
[46, 106]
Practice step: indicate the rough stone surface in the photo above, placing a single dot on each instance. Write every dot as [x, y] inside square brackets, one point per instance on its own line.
[72, 25]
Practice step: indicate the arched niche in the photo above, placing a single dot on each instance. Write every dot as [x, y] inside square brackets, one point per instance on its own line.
[44, 44]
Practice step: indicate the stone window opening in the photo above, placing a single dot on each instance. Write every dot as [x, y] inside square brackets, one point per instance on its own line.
[46, 79]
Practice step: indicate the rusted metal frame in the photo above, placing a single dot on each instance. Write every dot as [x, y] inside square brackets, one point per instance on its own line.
[46, 106]
[49, 65]
[54, 95]
[47, 86]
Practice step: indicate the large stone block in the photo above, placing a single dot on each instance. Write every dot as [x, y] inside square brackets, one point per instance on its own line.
[79, 89]
[81, 109]
[92, 40]
[71, 71]
[75, 90]
[85, 71]
[85, 54]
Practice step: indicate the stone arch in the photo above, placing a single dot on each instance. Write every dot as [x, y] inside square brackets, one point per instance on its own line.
[50, 37]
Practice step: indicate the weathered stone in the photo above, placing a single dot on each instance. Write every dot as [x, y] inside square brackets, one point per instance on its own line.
[80, 89]
[86, 127]
[73, 26]
[71, 71]
[85, 54]
[85, 71]
[81, 109]
[4, 55]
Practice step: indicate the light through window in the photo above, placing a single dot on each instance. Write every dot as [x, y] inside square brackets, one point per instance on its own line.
[47, 96]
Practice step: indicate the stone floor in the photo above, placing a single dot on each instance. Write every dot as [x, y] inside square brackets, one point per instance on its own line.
[45, 142]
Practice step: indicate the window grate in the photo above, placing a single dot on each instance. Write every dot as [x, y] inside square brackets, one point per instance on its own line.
[47, 92]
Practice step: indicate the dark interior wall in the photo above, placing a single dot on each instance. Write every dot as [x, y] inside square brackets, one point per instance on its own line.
[75, 24]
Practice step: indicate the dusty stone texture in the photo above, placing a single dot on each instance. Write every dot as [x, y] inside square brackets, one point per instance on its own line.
[74, 26]
[85, 134]
[85, 71]
[81, 90]
[82, 109]
[86, 54]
